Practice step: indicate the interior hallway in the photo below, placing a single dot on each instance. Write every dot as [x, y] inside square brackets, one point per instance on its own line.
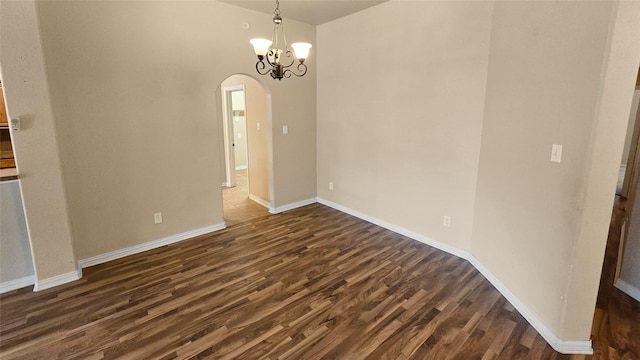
[237, 205]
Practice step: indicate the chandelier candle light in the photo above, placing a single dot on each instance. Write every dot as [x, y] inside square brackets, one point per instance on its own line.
[279, 60]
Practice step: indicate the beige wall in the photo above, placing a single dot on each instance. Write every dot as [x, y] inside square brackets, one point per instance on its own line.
[133, 89]
[15, 258]
[526, 205]
[35, 147]
[399, 135]
[540, 227]
[257, 140]
[612, 110]
[400, 115]
[294, 154]
[443, 108]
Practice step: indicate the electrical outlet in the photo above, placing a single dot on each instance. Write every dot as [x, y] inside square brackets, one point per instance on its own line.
[330, 185]
[258, 126]
[285, 129]
[446, 221]
[157, 218]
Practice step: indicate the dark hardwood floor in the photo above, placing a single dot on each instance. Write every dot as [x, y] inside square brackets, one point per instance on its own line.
[616, 326]
[311, 283]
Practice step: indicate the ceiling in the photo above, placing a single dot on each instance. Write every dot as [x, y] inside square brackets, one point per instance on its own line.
[314, 12]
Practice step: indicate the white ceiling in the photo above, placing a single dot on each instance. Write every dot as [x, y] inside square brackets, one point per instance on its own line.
[314, 12]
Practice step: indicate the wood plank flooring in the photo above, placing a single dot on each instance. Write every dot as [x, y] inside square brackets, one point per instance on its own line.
[616, 326]
[311, 283]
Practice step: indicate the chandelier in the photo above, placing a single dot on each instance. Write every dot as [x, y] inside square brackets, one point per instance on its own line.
[280, 60]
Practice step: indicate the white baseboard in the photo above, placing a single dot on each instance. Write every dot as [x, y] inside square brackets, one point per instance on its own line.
[241, 167]
[292, 206]
[397, 229]
[627, 288]
[57, 280]
[75, 275]
[260, 201]
[11, 285]
[116, 254]
[562, 346]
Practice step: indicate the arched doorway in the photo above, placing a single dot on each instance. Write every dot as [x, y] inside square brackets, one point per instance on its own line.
[247, 148]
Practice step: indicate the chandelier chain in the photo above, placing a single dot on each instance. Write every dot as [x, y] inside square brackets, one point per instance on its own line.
[277, 11]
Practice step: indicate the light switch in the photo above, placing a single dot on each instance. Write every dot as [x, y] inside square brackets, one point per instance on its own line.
[285, 129]
[556, 153]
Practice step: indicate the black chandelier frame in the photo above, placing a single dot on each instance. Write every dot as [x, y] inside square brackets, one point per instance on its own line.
[276, 69]
[275, 56]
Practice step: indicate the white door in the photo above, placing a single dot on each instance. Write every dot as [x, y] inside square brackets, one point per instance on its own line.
[234, 133]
